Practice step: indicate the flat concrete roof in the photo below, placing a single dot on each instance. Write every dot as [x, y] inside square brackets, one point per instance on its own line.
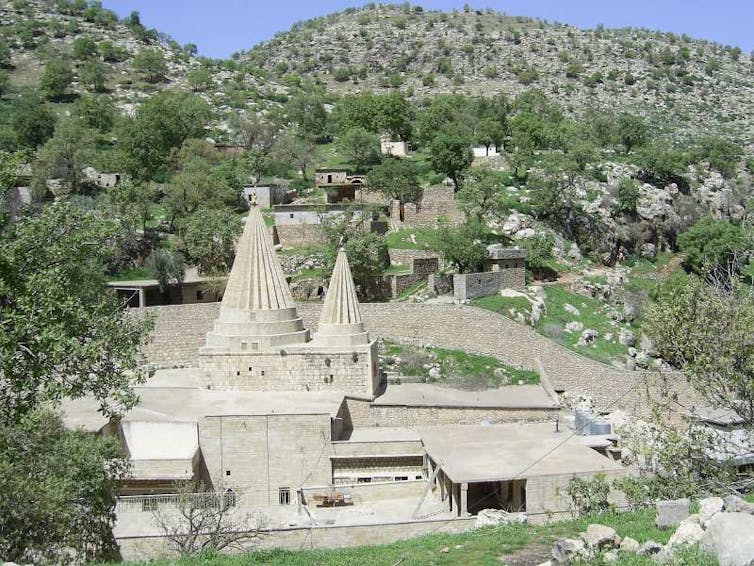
[433, 395]
[188, 404]
[191, 276]
[384, 434]
[149, 440]
[470, 454]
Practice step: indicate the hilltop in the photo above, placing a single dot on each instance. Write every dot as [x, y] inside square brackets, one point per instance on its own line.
[689, 84]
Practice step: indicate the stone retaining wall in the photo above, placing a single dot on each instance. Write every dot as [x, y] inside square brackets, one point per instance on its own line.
[180, 331]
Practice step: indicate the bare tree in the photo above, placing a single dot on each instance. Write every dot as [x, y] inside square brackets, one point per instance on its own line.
[199, 519]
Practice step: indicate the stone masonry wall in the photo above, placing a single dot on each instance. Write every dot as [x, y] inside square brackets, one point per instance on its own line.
[266, 452]
[405, 257]
[484, 284]
[436, 204]
[180, 331]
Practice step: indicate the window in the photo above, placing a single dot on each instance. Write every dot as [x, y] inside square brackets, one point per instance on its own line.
[364, 480]
[401, 478]
[199, 295]
[290, 215]
[227, 472]
[284, 495]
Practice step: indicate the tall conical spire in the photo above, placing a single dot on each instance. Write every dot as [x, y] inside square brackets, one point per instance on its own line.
[257, 311]
[340, 323]
[256, 281]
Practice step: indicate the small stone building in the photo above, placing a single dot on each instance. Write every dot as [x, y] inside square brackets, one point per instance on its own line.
[266, 196]
[393, 148]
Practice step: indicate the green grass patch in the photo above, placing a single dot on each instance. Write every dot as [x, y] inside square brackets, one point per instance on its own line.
[316, 273]
[456, 366]
[593, 314]
[423, 239]
[484, 546]
[397, 269]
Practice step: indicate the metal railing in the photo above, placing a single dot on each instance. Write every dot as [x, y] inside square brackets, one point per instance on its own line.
[206, 500]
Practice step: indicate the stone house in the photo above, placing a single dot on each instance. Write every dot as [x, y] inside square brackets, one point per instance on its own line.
[266, 196]
[393, 148]
[142, 293]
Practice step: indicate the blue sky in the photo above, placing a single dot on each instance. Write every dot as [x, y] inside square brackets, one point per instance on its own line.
[221, 27]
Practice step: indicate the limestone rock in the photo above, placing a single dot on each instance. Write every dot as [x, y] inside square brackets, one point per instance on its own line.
[574, 326]
[650, 548]
[588, 336]
[626, 337]
[648, 251]
[538, 292]
[610, 557]
[648, 345]
[688, 533]
[435, 373]
[642, 360]
[734, 504]
[571, 309]
[598, 536]
[488, 517]
[631, 364]
[730, 537]
[671, 513]
[568, 550]
[708, 508]
[629, 544]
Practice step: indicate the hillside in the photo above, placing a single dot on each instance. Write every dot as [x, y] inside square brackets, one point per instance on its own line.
[690, 84]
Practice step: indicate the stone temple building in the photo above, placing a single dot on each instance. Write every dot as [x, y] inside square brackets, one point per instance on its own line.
[286, 419]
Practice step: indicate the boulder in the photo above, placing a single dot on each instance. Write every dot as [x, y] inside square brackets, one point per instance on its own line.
[574, 326]
[538, 292]
[610, 557]
[708, 508]
[627, 337]
[648, 345]
[631, 364]
[650, 548]
[598, 536]
[588, 336]
[569, 308]
[629, 311]
[671, 513]
[688, 533]
[435, 373]
[730, 537]
[569, 550]
[642, 360]
[648, 250]
[489, 517]
[734, 504]
[629, 544]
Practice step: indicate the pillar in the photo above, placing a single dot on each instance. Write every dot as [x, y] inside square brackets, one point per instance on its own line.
[142, 298]
[464, 500]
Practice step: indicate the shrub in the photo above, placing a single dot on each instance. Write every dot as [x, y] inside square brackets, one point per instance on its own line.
[590, 496]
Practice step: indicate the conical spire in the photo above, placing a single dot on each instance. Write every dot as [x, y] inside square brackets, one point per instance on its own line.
[256, 281]
[340, 323]
[257, 313]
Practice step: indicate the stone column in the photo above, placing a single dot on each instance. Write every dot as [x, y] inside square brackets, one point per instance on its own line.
[142, 298]
[464, 500]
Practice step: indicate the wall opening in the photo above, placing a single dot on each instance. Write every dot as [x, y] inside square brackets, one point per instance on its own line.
[284, 495]
[508, 495]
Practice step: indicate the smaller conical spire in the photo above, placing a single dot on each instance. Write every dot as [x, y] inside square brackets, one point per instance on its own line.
[340, 323]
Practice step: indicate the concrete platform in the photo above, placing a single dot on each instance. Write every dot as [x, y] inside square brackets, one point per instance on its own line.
[432, 395]
[472, 454]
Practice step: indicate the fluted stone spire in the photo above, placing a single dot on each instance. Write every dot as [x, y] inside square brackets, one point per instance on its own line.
[340, 323]
[257, 312]
[256, 280]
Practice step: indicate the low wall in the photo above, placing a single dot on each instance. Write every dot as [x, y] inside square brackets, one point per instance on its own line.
[437, 205]
[484, 284]
[140, 548]
[377, 491]
[405, 257]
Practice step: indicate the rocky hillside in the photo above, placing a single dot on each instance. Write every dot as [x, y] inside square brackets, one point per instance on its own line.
[689, 85]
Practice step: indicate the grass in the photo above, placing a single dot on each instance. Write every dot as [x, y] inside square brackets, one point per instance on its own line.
[593, 314]
[456, 366]
[397, 269]
[401, 239]
[486, 546]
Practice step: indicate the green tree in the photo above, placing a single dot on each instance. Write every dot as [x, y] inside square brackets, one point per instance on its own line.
[632, 131]
[447, 113]
[150, 64]
[84, 48]
[56, 80]
[361, 147]
[61, 335]
[134, 202]
[481, 192]
[715, 244]
[208, 238]
[706, 331]
[58, 490]
[4, 80]
[160, 125]
[168, 267]
[112, 53]
[628, 196]
[93, 75]
[32, 122]
[306, 111]
[66, 154]
[295, 150]
[396, 179]
[199, 79]
[461, 247]
[367, 252]
[451, 154]
[490, 132]
[97, 111]
[722, 155]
